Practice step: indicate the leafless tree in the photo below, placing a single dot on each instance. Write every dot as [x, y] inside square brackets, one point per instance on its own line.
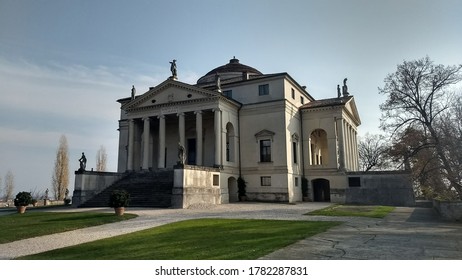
[60, 177]
[101, 159]
[373, 154]
[9, 186]
[418, 95]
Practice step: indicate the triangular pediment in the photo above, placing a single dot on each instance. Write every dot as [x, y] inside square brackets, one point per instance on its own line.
[169, 92]
[264, 134]
[351, 108]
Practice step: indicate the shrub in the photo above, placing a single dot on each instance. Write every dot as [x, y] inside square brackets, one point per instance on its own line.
[23, 199]
[119, 198]
[241, 185]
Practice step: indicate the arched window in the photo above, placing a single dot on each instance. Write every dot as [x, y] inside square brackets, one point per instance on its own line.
[318, 147]
[230, 136]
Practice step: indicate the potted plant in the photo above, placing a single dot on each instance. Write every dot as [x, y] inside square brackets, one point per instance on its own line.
[241, 185]
[22, 200]
[67, 201]
[118, 200]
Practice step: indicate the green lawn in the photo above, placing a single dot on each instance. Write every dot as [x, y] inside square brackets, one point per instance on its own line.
[31, 224]
[196, 240]
[353, 210]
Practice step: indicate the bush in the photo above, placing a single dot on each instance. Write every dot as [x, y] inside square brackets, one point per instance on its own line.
[23, 199]
[304, 187]
[241, 185]
[119, 198]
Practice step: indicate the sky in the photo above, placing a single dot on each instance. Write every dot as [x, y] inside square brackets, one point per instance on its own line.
[63, 64]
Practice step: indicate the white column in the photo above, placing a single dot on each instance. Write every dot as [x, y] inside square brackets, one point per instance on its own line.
[217, 136]
[347, 145]
[350, 151]
[146, 146]
[131, 140]
[356, 157]
[161, 159]
[198, 138]
[341, 144]
[181, 129]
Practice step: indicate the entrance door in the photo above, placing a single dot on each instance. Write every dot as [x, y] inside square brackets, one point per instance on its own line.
[321, 190]
[191, 151]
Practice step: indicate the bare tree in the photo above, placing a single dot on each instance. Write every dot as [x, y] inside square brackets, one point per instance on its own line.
[372, 150]
[9, 186]
[101, 159]
[60, 177]
[418, 96]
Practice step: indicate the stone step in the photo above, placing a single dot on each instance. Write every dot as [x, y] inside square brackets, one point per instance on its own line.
[149, 189]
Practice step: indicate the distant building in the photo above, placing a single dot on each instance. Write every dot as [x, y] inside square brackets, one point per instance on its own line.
[238, 122]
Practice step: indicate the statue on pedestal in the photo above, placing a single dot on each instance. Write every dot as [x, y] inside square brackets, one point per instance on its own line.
[181, 154]
[83, 162]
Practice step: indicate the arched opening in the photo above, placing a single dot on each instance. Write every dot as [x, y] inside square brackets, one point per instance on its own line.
[321, 190]
[318, 147]
[232, 190]
[230, 136]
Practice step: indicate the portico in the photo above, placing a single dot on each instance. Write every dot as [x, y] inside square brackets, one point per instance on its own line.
[150, 134]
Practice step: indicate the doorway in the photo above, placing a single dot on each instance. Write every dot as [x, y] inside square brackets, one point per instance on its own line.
[321, 190]
[191, 151]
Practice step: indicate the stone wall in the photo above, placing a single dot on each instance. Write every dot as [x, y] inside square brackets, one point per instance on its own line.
[392, 188]
[195, 186]
[89, 183]
[449, 210]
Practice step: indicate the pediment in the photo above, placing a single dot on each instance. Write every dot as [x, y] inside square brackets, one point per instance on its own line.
[169, 92]
[264, 134]
[351, 108]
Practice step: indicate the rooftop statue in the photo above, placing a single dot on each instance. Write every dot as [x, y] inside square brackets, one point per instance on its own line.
[133, 92]
[345, 87]
[173, 68]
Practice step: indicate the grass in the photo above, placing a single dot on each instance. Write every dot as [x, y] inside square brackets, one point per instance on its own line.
[32, 224]
[200, 239]
[353, 210]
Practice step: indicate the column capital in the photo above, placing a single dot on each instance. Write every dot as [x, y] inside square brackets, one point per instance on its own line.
[216, 110]
[198, 112]
[146, 118]
[161, 116]
[180, 114]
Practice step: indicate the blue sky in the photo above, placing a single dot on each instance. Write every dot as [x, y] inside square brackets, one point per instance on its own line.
[63, 64]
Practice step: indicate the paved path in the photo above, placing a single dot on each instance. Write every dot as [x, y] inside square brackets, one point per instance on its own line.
[407, 233]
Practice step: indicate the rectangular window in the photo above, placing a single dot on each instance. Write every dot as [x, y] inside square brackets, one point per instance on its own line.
[302, 100]
[294, 151]
[263, 89]
[296, 181]
[216, 180]
[265, 180]
[228, 93]
[354, 181]
[265, 150]
[293, 94]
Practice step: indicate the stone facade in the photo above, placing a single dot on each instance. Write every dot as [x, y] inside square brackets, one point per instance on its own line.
[237, 122]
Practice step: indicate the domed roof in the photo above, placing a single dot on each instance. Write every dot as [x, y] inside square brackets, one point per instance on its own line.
[231, 70]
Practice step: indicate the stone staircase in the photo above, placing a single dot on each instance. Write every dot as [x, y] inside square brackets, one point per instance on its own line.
[147, 189]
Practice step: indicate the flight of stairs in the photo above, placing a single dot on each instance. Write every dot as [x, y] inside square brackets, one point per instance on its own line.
[147, 189]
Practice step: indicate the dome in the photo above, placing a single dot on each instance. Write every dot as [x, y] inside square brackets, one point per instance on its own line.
[233, 69]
